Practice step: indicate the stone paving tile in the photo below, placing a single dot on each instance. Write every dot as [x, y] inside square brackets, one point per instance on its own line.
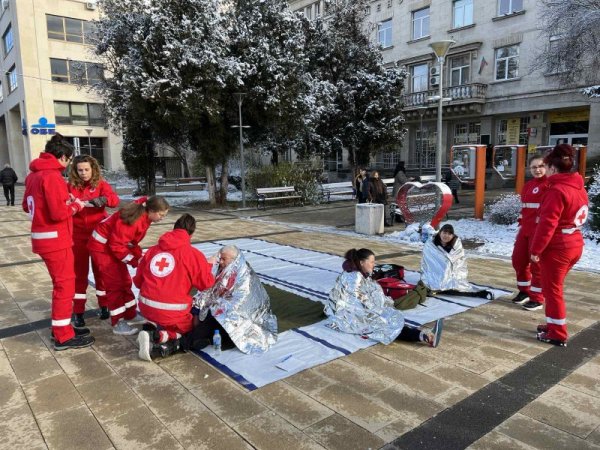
[190, 370]
[585, 378]
[83, 366]
[359, 408]
[11, 394]
[268, 431]
[309, 381]
[19, 429]
[295, 407]
[498, 441]
[338, 433]
[30, 359]
[539, 435]
[352, 377]
[218, 397]
[73, 428]
[397, 428]
[458, 376]
[453, 396]
[399, 352]
[139, 428]
[594, 437]
[417, 408]
[52, 394]
[566, 409]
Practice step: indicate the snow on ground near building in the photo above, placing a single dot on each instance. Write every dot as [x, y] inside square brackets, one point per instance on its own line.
[181, 198]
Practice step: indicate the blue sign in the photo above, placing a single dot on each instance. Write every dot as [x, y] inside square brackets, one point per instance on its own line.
[43, 127]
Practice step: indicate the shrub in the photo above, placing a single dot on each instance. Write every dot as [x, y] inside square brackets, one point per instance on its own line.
[592, 228]
[506, 210]
[304, 178]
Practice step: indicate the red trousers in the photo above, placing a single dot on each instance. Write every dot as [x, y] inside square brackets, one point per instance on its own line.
[117, 284]
[60, 267]
[528, 273]
[171, 324]
[82, 269]
[555, 264]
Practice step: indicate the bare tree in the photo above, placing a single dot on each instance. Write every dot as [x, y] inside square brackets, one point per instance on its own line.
[571, 29]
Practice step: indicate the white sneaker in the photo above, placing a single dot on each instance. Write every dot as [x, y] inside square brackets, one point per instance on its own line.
[138, 319]
[144, 345]
[124, 329]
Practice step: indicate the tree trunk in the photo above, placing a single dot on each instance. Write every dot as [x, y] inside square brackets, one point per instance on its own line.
[186, 168]
[211, 185]
[151, 173]
[224, 183]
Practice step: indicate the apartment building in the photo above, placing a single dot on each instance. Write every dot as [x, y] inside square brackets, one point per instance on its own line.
[47, 69]
[499, 92]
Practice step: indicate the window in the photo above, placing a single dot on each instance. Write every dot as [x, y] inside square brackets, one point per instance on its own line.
[420, 22]
[88, 146]
[379, 7]
[67, 29]
[509, 6]
[419, 76]
[75, 72]
[523, 131]
[11, 76]
[8, 41]
[463, 13]
[384, 33]
[507, 62]
[460, 70]
[313, 11]
[555, 63]
[467, 133]
[69, 113]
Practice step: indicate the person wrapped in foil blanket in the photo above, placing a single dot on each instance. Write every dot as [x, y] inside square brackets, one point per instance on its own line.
[239, 303]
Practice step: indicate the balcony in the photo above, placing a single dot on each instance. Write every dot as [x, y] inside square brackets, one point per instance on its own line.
[466, 99]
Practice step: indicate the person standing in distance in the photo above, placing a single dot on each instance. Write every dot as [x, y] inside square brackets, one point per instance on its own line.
[8, 178]
[86, 184]
[557, 243]
[528, 273]
[50, 209]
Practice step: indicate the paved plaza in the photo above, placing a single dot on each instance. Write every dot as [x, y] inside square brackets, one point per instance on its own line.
[490, 384]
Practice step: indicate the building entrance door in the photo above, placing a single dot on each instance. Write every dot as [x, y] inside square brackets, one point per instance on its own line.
[572, 139]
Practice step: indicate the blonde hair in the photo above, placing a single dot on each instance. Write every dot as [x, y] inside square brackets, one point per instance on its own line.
[132, 211]
[75, 180]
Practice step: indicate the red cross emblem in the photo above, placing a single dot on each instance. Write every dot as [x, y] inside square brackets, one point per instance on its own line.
[581, 215]
[162, 264]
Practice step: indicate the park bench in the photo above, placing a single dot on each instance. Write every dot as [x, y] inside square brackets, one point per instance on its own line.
[341, 188]
[178, 181]
[268, 194]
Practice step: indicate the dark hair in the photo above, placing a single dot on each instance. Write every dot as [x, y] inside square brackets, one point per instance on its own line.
[58, 147]
[132, 211]
[561, 158]
[75, 180]
[437, 240]
[356, 256]
[186, 222]
[534, 157]
[399, 167]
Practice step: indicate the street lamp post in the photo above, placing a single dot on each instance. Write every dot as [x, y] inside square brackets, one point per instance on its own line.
[440, 48]
[89, 133]
[239, 97]
[422, 110]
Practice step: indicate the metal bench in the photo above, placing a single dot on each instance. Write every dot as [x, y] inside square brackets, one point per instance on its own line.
[268, 194]
[177, 181]
[341, 188]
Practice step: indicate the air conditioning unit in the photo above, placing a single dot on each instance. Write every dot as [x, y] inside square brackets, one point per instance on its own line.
[91, 5]
[434, 71]
[434, 80]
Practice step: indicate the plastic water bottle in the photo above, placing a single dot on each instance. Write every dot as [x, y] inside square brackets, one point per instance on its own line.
[217, 342]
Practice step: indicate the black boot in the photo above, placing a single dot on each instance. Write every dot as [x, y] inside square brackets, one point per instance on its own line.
[169, 347]
[104, 313]
[78, 321]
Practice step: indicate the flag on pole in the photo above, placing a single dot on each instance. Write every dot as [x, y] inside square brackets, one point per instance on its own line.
[482, 65]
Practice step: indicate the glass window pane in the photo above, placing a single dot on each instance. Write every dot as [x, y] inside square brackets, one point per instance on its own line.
[96, 114]
[95, 73]
[89, 31]
[56, 28]
[79, 113]
[77, 72]
[500, 70]
[455, 81]
[74, 30]
[466, 75]
[513, 67]
[503, 7]
[58, 68]
[425, 28]
[517, 5]
[421, 13]
[61, 111]
[502, 52]
[512, 51]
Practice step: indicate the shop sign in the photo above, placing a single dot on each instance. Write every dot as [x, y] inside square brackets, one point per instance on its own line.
[577, 115]
[43, 127]
[513, 129]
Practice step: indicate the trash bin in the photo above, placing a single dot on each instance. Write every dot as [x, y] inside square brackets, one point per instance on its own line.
[368, 218]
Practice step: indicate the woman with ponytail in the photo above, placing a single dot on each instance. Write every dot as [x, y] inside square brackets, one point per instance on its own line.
[50, 210]
[557, 243]
[115, 245]
[86, 184]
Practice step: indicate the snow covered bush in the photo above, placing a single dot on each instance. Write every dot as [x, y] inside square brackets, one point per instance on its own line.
[302, 177]
[592, 228]
[506, 210]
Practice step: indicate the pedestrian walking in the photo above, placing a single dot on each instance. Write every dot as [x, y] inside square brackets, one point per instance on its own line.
[8, 178]
[86, 184]
[50, 209]
[558, 243]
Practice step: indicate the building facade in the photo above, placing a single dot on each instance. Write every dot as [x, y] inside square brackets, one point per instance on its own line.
[48, 68]
[499, 92]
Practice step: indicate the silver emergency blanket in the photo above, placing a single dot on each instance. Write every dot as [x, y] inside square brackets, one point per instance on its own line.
[240, 303]
[357, 305]
[441, 270]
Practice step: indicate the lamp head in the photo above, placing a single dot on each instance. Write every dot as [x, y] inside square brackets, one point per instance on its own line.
[440, 48]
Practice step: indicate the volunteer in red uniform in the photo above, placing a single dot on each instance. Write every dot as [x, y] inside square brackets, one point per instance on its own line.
[528, 273]
[86, 184]
[50, 209]
[114, 245]
[165, 276]
[557, 243]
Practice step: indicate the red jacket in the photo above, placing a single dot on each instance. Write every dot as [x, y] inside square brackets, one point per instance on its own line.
[531, 200]
[46, 201]
[86, 220]
[564, 210]
[112, 235]
[169, 270]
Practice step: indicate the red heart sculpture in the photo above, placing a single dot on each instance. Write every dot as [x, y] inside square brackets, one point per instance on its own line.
[422, 203]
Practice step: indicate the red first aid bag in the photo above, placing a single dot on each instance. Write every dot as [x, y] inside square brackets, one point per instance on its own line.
[395, 288]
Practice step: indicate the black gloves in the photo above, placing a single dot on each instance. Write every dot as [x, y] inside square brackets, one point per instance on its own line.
[99, 202]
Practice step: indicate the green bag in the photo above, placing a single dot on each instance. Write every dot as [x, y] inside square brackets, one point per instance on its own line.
[413, 298]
